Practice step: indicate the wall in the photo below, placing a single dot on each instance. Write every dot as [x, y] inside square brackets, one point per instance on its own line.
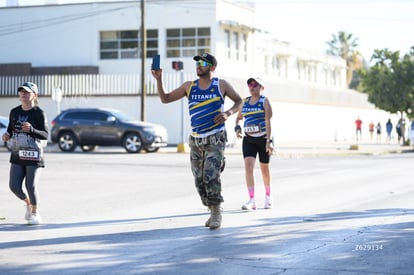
[68, 35]
[301, 111]
[292, 121]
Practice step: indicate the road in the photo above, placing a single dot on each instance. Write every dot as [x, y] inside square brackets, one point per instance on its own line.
[117, 213]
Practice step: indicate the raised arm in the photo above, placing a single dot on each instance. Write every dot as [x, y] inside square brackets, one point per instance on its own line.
[176, 94]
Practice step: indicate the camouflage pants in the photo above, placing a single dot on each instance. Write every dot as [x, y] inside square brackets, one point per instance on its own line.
[207, 157]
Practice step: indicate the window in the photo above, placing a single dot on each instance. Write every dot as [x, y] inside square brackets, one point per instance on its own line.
[301, 69]
[235, 45]
[275, 66]
[126, 44]
[243, 48]
[152, 42]
[227, 42]
[267, 69]
[75, 116]
[99, 116]
[188, 42]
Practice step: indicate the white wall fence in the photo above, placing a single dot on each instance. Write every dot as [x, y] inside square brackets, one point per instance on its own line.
[86, 85]
[301, 112]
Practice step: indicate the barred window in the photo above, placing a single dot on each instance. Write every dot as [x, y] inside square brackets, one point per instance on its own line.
[126, 44]
[188, 42]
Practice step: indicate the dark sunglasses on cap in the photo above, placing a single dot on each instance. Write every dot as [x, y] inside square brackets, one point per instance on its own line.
[202, 63]
[253, 84]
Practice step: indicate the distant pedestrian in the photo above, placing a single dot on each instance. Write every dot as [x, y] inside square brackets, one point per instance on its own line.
[257, 140]
[388, 128]
[379, 129]
[403, 130]
[27, 128]
[371, 129]
[358, 124]
[399, 129]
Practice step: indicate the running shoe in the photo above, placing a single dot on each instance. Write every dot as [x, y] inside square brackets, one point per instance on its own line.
[35, 219]
[249, 206]
[28, 214]
[268, 202]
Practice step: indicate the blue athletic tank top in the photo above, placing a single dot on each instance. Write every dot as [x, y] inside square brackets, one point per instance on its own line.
[203, 106]
[254, 117]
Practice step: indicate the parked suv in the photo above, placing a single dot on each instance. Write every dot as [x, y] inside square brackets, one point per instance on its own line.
[91, 127]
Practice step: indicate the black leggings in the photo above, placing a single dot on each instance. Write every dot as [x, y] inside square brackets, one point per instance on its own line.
[17, 174]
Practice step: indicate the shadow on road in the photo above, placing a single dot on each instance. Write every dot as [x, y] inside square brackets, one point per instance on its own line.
[372, 241]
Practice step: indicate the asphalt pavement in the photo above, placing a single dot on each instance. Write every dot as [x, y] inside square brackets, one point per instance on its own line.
[111, 212]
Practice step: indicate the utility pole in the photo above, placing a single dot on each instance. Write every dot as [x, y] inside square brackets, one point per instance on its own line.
[143, 59]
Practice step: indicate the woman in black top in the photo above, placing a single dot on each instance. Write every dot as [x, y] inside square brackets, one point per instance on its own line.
[27, 133]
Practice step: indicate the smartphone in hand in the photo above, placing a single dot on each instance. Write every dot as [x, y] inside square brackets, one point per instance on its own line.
[155, 62]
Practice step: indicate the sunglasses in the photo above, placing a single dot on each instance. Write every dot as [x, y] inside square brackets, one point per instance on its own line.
[253, 85]
[203, 63]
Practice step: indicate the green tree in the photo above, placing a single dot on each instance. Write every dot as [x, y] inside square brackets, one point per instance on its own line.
[389, 83]
[344, 45]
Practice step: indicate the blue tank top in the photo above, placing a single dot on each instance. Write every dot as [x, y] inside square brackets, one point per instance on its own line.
[203, 106]
[254, 117]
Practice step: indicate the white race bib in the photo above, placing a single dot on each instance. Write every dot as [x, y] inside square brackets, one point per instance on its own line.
[251, 129]
[29, 154]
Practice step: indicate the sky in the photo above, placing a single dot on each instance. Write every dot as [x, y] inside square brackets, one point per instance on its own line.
[378, 24]
[309, 24]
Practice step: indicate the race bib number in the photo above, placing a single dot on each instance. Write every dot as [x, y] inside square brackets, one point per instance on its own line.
[29, 154]
[252, 129]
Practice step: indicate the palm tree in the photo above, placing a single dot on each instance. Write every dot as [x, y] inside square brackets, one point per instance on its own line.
[344, 45]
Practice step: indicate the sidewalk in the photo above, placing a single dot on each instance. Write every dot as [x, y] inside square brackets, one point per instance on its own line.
[340, 148]
[117, 213]
[321, 148]
[289, 149]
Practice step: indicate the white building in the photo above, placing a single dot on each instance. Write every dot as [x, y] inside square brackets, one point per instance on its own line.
[305, 88]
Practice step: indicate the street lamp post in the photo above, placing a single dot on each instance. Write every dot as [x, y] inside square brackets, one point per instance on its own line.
[143, 59]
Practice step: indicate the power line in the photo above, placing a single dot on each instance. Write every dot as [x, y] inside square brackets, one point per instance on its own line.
[44, 23]
[38, 24]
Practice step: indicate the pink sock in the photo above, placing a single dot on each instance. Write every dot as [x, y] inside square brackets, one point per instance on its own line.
[251, 192]
[267, 190]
